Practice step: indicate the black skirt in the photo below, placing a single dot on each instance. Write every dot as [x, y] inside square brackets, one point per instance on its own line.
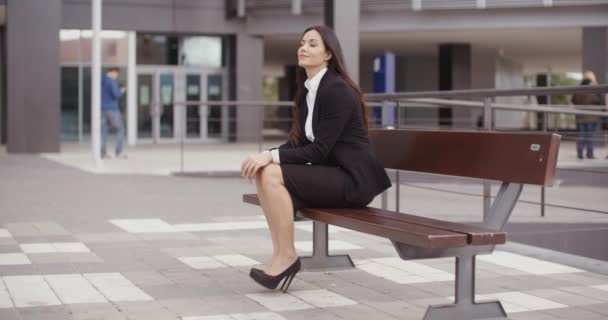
[316, 186]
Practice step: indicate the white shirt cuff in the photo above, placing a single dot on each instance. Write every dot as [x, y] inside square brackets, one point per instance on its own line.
[275, 155]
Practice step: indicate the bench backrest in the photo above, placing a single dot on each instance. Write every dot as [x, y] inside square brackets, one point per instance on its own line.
[528, 158]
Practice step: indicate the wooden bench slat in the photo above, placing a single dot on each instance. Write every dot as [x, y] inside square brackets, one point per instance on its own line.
[414, 234]
[476, 235]
[417, 235]
[527, 158]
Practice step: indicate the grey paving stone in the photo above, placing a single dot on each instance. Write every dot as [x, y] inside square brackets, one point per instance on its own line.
[187, 307]
[9, 314]
[145, 310]
[530, 282]
[361, 294]
[398, 309]
[105, 237]
[46, 313]
[15, 270]
[9, 242]
[60, 268]
[563, 297]
[361, 312]
[587, 292]
[9, 248]
[310, 314]
[531, 315]
[50, 228]
[598, 308]
[573, 313]
[95, 311]
[582, 278]
[174, 291]
[166, 236]
[22, 230]
[146, 278]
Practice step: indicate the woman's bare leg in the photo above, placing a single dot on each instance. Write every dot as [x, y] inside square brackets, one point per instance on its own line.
[278, 209]
[271, 228]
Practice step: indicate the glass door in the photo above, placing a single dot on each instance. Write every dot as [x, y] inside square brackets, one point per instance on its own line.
[145, 105]
[194, 126]
[161, 115]
[217, 115]
[166, 117]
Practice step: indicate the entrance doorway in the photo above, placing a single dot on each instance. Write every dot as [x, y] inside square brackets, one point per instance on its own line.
[161, 113]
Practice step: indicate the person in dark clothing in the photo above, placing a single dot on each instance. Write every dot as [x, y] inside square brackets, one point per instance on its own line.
[327, 161]
[586, 124]
[110, 113]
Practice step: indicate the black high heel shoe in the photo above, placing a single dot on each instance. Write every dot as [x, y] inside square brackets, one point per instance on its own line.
[271, 282]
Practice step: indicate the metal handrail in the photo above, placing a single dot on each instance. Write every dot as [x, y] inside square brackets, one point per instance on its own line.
[482, 93]
[446, 98]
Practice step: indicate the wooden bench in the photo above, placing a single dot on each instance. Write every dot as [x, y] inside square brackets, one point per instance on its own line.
[514, 159]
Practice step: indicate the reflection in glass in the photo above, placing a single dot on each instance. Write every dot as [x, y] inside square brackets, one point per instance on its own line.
[69, 104]
[157, 49]
[202, 51]
[166, 102]
[214, 115]
[144, 105]
[193, 117]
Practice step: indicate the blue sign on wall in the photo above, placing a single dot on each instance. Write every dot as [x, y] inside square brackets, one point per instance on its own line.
[384, 82]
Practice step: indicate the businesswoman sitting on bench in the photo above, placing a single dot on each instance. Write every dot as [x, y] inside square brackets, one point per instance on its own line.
[327, 161]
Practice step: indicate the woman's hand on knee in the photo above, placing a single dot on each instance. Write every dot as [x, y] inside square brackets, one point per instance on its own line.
[253, 163]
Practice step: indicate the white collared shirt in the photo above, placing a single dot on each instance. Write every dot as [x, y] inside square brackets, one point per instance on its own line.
[313, 86]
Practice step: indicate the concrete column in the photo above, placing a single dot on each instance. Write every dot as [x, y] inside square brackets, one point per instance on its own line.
[33, 91]
[249, 86]
[595, 52]
[454, 74]
[344, 16]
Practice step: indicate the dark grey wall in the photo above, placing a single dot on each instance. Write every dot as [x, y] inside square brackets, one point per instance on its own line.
[33, 115]
[595, 52]
[2, 85]
[454, 74]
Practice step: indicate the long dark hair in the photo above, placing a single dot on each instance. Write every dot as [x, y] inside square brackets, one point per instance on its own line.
[335, 65]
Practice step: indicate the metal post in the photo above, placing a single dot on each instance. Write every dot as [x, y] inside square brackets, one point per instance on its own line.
[181, 139]
[96, 82]
[488, 116]
[132, 89]
[542, 189]
[397, 190]
[260, 116]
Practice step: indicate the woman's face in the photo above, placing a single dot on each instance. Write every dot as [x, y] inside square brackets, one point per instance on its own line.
[312, 52]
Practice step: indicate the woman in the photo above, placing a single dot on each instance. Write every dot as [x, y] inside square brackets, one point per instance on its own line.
[586, 125]
[327, 161]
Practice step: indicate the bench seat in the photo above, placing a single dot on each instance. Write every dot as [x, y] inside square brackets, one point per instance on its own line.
[400, 227]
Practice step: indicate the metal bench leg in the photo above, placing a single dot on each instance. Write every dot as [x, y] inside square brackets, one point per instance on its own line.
[320, 259]
[465, 307]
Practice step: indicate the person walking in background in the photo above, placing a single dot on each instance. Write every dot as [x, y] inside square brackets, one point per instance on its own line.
[110, 113]
[586, 125]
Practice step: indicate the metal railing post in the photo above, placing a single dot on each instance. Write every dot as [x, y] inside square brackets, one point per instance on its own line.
[488, 120]
[542, 189]
[260, 116]
[181, 139]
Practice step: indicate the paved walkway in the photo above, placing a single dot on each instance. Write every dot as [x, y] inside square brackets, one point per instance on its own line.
[136, 243]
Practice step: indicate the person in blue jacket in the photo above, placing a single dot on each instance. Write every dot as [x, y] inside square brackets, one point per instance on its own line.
[110, 113]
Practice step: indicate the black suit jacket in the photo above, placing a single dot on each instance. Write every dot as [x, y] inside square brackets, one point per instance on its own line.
[340, 140]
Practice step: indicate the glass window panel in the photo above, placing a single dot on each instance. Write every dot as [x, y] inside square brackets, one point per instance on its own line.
[69, 103]
[214, 115]
[156, 49]
[202, 51]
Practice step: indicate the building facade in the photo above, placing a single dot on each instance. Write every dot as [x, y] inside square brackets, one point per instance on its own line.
[176, 51]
